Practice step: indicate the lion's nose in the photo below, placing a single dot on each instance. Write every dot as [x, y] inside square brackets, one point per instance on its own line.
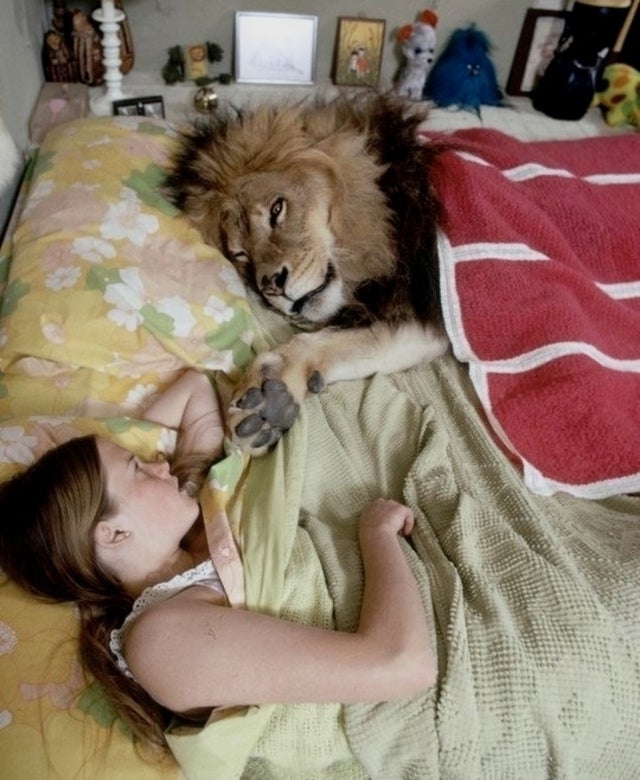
[274, 284]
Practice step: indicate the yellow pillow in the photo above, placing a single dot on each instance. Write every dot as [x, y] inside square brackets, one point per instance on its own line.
[106, 274]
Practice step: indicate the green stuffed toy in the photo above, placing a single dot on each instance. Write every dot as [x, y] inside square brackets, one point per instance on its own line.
[619, 98]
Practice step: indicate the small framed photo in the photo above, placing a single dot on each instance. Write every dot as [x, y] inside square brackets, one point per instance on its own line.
[539, 37]
[275, 48]
[140, 106]
[358, 54]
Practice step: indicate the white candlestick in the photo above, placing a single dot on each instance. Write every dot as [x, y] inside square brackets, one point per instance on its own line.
[109, 19]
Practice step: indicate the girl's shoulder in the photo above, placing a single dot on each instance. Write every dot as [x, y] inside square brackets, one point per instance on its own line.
[200, 582]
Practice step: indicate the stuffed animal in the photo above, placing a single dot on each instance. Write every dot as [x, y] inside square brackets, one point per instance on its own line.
[619, 96]
[418, 44]
[464, 75]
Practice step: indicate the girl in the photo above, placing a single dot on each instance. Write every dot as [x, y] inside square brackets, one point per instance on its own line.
[123, 538]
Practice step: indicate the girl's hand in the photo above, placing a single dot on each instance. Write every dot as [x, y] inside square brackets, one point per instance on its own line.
[386, 514]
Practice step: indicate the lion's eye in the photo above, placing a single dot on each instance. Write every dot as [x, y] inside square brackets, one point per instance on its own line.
[276, 212]
[240, 257]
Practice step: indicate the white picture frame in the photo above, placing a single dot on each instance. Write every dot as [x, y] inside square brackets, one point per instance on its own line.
[275, 48]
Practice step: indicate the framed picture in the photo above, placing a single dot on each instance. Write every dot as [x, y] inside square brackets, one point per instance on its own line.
[275, 48]
[358, 55]
[140, 106]
[537, 43]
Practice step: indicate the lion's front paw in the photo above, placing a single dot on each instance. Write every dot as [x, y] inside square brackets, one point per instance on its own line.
[258, 416]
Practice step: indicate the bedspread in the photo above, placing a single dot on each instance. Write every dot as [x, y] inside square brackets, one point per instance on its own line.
[535, 600]
[540, 266]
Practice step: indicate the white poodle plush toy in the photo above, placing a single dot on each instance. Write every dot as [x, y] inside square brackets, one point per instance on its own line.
[418, 43]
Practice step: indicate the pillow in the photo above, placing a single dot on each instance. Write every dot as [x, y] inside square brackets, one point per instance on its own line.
[24, 439]
[106, 274]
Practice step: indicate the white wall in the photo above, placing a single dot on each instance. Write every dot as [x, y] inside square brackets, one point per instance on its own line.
[20, 75]
[159, 24]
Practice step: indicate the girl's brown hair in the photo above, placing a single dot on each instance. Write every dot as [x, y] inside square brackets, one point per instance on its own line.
[48, 515]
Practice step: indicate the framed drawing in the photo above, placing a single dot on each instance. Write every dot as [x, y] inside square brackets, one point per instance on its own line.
[140, 106]
[275, 48]
[358, 55]
[539, 36]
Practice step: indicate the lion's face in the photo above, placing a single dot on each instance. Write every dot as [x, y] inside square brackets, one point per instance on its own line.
[291, 196]
[277, 230]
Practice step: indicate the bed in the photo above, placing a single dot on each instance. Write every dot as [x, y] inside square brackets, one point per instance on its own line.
[533, 594]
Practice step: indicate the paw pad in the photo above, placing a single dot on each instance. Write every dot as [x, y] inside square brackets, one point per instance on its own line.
[272, 411]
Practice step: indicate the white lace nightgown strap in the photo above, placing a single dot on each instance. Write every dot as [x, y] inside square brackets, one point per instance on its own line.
[204, 574]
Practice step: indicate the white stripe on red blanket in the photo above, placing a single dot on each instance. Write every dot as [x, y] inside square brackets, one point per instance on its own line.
[540, 278]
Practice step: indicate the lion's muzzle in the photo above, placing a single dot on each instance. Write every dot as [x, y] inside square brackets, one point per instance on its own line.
[299, 297]
[300, 303]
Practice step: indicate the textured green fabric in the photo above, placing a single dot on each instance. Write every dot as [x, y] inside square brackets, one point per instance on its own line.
[534, 601]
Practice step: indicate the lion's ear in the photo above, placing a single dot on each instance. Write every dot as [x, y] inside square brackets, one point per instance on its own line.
[203, 210]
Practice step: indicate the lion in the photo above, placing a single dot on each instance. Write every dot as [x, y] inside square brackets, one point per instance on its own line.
[326, 210]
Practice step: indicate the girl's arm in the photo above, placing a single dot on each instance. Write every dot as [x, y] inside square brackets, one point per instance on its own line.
[188, 653]
[190, 405]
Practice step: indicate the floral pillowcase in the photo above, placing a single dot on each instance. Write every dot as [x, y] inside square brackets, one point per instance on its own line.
[109, 291]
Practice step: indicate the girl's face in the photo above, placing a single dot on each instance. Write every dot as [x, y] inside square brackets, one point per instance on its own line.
[152, 514]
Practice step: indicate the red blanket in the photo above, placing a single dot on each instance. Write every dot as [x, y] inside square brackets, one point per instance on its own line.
[540, 278]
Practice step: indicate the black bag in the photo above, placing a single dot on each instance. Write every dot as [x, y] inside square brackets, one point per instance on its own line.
[567, 86]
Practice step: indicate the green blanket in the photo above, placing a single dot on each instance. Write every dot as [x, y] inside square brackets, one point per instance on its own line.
[534, 602]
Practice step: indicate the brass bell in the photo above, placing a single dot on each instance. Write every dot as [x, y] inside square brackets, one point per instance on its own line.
[206, 99]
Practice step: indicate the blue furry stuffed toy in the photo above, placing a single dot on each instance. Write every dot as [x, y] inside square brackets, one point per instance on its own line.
[464, 75]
